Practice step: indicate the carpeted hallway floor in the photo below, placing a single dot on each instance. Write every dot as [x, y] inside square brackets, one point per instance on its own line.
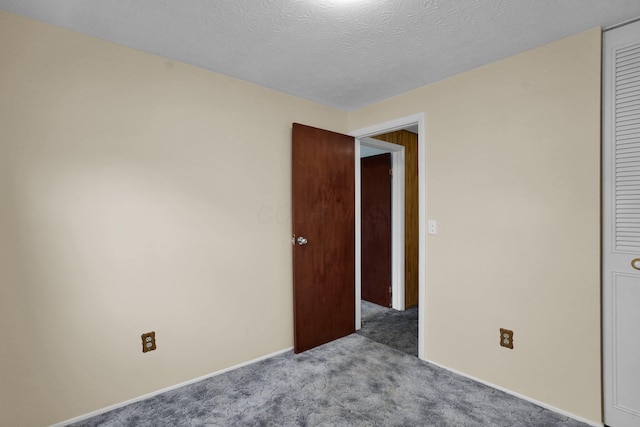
[353, 381]
[397, 329]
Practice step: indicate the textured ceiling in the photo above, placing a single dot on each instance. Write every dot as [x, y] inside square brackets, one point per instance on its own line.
[342, 53]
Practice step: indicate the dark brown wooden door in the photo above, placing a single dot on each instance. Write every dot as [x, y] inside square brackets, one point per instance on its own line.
[376, 229]
[323, 215]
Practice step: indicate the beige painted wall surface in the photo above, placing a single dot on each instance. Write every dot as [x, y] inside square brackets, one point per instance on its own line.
[138, 194]
[513, 181]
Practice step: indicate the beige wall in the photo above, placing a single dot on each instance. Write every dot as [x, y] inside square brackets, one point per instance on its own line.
[513, 181]
[136, 194]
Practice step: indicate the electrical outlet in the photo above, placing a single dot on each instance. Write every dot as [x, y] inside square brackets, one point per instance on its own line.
[506, 338]
[148, 341]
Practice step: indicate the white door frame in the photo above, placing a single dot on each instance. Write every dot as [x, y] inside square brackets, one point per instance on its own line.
[378, 129]
[397, 221]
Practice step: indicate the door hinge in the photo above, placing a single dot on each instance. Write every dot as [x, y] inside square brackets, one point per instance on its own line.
[391, 171]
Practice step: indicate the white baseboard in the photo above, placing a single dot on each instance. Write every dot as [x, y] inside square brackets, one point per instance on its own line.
[520, 396]
[164, 390]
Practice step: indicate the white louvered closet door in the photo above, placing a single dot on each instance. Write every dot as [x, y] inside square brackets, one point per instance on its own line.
[621, 225]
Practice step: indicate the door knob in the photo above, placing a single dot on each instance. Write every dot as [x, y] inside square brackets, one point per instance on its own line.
[635, 263]
[301, 241]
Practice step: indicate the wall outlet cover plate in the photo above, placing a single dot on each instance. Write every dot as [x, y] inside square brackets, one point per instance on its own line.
[148, 341]
[506, 338]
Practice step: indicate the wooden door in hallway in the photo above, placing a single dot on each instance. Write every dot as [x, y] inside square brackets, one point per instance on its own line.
[323, 221]
[409, 141]
[376, 228]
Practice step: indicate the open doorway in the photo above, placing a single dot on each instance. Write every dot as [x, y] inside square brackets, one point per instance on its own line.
[396, 327]
[411, 124]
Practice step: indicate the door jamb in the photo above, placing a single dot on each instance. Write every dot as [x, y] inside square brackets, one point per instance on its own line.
[387, 127]
[397, 223]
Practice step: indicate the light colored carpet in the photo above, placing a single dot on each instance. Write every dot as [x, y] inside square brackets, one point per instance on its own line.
[353, 381]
